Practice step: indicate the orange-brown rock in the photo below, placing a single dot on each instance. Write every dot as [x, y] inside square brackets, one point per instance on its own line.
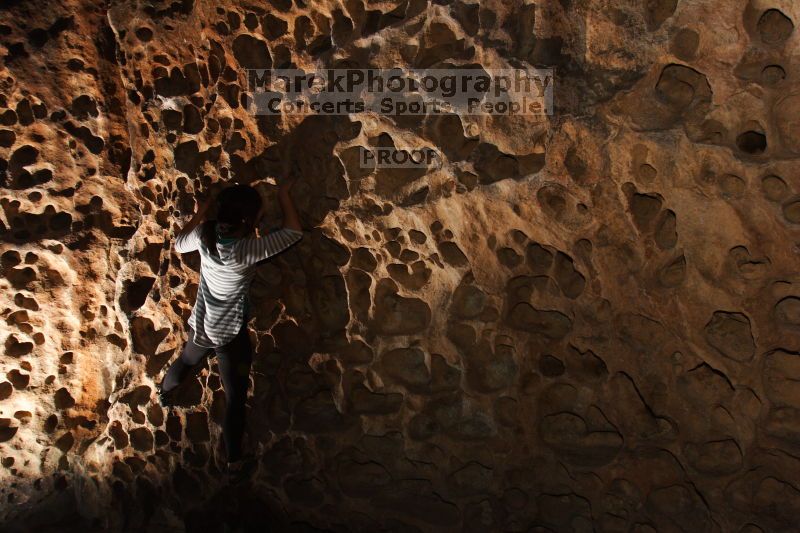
[584, 321]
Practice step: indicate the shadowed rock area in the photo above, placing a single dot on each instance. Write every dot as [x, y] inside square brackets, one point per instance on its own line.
[580, 322]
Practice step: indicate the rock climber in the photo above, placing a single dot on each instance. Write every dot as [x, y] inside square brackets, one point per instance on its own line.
[229, 250]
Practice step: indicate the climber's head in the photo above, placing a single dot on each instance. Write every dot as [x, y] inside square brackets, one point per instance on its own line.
[237, 210]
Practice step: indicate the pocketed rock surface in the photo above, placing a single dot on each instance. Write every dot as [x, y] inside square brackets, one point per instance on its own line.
[583, 322]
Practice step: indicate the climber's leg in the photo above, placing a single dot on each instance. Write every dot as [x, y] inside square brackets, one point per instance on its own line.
[191, 355]
[234, 360]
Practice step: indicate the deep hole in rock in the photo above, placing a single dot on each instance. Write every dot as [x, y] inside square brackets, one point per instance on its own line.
[752, 142]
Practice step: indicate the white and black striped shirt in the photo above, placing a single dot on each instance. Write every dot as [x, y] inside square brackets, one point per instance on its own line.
[218, 313]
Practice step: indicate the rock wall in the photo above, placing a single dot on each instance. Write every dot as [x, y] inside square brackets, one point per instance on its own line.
[588, 321]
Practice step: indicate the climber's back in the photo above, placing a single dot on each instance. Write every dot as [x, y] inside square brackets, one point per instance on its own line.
[229, 251]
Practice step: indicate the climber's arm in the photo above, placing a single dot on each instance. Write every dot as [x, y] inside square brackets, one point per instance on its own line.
[291, 219]
[188, 240]
[253, 250]
[256, 249]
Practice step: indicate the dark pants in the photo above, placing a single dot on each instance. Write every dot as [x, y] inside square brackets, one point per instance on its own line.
[234, 360]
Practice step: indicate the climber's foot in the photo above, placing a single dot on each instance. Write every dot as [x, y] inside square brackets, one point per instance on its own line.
[166, 398]
[240, 470]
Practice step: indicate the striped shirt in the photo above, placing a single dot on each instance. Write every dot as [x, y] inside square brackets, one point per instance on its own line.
[219, 312]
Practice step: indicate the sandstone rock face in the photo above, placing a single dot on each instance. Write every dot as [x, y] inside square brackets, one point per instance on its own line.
[587, 321]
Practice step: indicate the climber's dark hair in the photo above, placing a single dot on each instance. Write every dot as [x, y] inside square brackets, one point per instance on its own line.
[237, 207]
